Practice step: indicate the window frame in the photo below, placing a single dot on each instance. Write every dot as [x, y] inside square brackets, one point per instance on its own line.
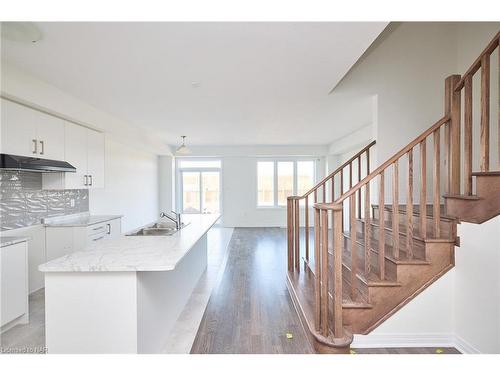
[179, 183]
[275, 161]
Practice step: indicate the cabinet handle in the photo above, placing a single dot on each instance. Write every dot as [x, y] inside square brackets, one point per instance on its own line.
[42, 144]
[35, 146]
[109, 228]
[97, 228]
[86, 183]
[90, 179]
[98, 238]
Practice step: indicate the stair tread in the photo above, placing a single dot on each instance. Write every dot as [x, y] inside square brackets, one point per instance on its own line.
[388, 227]
[462, 196]
[347, 302]
[403, 255]
[416, 211]
[490, 173]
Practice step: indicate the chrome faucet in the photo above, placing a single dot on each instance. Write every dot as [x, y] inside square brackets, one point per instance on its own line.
[176, 219]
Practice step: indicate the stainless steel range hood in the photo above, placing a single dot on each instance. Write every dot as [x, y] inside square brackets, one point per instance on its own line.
[30, 164]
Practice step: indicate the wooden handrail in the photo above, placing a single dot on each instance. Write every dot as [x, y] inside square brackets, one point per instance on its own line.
[477, 63]
[394, 158]
[325, 180]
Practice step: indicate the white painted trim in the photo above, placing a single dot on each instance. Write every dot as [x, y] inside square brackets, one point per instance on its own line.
[414, 340]
[402, 340]
[464, 347]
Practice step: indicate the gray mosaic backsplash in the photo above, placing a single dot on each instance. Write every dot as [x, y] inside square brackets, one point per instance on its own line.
[24, 203]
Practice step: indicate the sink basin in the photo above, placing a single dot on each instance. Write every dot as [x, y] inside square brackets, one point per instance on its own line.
[157, 229]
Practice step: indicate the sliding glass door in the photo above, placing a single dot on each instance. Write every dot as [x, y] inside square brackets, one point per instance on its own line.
[199, 188]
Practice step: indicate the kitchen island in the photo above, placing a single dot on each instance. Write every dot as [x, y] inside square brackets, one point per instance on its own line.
[123, 295]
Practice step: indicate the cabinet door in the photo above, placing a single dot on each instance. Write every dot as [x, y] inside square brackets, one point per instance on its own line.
[13, 282]
[75, 140]
[114, 228]
[95, 158]
[50, 136]
[59, 242]
[18, 129]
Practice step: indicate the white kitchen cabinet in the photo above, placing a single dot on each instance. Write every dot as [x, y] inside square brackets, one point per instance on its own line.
[36, 252]
[14, 283]
[28, 132]
[85, 151]
[59, 242]
[115, 228]
[95, 159]
[18, 130]
[66, 239]
[75, 139]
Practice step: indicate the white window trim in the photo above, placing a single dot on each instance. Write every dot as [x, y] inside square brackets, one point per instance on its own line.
[275, 178]
[178, 174]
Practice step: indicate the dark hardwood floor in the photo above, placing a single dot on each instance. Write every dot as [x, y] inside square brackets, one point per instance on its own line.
[250, 311]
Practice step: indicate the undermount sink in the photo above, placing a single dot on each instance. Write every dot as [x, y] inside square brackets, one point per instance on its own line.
[158, 229]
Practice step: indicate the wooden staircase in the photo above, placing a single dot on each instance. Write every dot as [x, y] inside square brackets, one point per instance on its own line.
[367, 255]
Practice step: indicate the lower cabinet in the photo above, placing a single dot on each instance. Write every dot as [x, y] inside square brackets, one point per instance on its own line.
[66, 240]
[14, 283]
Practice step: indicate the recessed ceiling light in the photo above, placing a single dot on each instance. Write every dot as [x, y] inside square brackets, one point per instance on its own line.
[22, 32]
[195, 84]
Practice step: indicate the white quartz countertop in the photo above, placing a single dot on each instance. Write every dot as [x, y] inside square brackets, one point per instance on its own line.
[136, 253]
[78, 220]
[10, 240]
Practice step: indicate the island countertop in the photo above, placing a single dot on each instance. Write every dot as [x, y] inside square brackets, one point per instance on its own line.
[136, 253]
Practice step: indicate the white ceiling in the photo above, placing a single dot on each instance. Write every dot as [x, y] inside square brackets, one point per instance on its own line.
[259, 83]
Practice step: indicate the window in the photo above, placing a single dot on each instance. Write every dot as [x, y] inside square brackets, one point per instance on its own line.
[265, 183]
[285, 181]
[305, 176]
[279, 179]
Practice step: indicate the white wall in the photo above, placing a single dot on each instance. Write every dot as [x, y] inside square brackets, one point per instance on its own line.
[239, 181]
[166, 183]
[131, 186]
[477, 286]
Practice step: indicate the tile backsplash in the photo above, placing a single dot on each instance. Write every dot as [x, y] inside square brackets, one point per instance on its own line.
[24, 203]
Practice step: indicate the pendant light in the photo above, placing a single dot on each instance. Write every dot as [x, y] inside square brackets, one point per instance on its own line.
[183, 149]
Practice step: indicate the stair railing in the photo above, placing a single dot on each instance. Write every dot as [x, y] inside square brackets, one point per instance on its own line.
[419, 221]
[482, 64]
[405, 219]
[317, 194]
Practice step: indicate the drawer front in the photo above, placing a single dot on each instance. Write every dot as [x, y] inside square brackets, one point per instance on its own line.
[97, 237]
[95, 229]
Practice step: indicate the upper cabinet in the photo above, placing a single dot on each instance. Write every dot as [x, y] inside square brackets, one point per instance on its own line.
[95, 159]
[85, 151]
[27, 132]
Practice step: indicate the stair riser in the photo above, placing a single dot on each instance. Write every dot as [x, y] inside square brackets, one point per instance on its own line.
[390, 267]
[418, 246]
[445, 226]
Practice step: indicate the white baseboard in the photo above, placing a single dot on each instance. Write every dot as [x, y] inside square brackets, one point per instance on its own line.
[464, 347]
[413, 340]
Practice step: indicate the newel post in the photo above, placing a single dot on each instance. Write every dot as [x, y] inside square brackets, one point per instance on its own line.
[290, 231]
[452, 108]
